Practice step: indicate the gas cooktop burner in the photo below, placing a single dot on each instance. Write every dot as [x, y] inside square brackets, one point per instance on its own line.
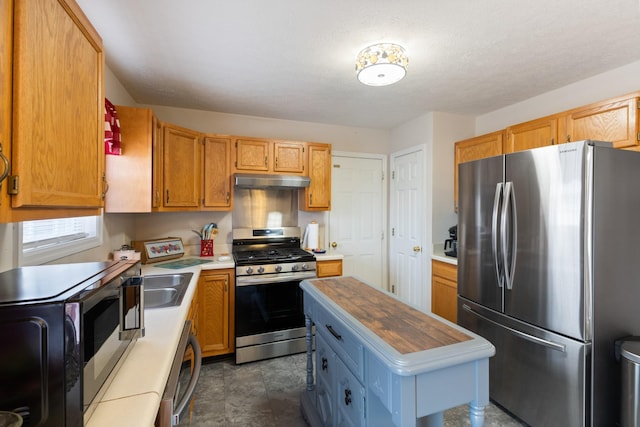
[272, 256]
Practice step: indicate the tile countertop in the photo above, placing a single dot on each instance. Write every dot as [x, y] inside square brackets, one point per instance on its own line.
[438, 254]
[133, 397]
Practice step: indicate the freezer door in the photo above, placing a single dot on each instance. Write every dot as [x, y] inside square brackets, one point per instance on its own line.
[540, 377]
[549, 219]
[479, 267]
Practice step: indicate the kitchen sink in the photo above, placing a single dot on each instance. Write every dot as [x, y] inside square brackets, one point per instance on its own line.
[165, 290]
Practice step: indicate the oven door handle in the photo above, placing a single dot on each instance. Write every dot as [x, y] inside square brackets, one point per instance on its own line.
[278, 278]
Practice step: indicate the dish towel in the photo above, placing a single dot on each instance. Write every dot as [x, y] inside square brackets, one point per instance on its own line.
[111, 129]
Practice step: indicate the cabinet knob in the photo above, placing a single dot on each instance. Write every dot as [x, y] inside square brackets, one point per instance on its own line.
[347, 396]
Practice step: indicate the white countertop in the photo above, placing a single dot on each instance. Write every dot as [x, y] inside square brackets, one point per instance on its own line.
[328, 256]
[438, 254]
[134, 396]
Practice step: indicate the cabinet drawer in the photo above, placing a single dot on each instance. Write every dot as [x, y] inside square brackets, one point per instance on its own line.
[341, 340]
[445, 270]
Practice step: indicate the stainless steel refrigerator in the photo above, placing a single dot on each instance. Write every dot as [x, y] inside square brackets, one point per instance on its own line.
[549, 272]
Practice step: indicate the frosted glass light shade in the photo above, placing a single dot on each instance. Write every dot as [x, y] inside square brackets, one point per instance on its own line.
[381, 64]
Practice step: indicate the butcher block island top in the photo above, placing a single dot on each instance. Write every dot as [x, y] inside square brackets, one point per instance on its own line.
[403, 327]
[382, 362]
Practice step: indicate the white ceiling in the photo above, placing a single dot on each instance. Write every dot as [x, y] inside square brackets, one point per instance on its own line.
[295, 59]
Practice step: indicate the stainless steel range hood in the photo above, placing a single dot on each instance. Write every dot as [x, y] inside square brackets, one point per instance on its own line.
[271, 181]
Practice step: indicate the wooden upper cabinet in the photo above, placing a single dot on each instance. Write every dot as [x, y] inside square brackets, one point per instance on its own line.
[52, 65]
[289, 157]
[181, 167]
[317, 197]
[613, 120]
[536, 133]
[479, 147]
[130, 175]
[252, 154]
[257, 155]
[217, 177]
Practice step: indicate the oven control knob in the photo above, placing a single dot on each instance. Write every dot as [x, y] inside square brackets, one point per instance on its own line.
[305, 267]
[261, 269]
[278, 268]
[249, 270]
[295, 267]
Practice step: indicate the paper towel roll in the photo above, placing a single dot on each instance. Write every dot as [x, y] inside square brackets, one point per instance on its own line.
[311, 236]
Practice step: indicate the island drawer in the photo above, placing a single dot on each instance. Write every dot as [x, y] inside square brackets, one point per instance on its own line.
[341, 339]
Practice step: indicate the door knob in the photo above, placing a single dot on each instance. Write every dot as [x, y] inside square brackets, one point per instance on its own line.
[334, 244]
[417, 249]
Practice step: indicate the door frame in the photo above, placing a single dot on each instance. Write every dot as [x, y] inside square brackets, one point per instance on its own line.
[384, 208]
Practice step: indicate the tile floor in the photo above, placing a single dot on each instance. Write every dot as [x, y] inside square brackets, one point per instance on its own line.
[266, 394]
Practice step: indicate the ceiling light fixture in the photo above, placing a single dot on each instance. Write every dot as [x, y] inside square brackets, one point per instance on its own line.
[381, 64]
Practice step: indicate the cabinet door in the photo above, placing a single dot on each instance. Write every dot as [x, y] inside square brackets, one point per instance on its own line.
[533, 134]
[475, 148]
[215, 317]
[614, 121]
[130, 176]
[325, 367]
[349, 397]
[181, 152]
[289, 157]
[444, 290]
[58, 107]
[252, 155]
[318, 194]
[217, 172]
[330, 268]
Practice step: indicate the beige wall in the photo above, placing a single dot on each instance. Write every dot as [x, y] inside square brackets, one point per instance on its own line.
[437, 130]
[616, 82]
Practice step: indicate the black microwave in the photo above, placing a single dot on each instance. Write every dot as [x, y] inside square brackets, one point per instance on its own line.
[65, 329]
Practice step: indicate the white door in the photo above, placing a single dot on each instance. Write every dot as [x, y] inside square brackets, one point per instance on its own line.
[408, 220]
[358, 215]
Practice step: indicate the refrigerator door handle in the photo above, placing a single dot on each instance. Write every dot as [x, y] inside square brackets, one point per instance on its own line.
[550, 344]
[494, 233]
[509, 250]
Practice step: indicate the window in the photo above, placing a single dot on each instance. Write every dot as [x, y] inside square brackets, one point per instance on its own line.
[46, 240]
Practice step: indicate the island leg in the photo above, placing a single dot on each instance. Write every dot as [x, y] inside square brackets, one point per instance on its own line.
[309, 341]
[476, 415]
[476, 407]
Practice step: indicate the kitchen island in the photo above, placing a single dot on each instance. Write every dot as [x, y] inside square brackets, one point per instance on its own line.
[381, 362]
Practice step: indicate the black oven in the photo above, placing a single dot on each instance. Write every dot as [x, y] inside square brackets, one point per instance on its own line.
[268, 307]
[64, 331]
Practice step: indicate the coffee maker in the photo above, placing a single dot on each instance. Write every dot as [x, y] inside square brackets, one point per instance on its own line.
[452, 242]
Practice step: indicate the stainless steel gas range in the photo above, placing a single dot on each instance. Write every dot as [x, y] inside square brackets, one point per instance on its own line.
[269, 312]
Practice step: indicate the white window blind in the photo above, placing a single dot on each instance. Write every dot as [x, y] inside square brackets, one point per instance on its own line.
[46, 240]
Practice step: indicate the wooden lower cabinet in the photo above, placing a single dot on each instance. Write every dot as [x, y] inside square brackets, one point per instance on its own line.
[215, 322]
[444, 290]
[329, 268]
